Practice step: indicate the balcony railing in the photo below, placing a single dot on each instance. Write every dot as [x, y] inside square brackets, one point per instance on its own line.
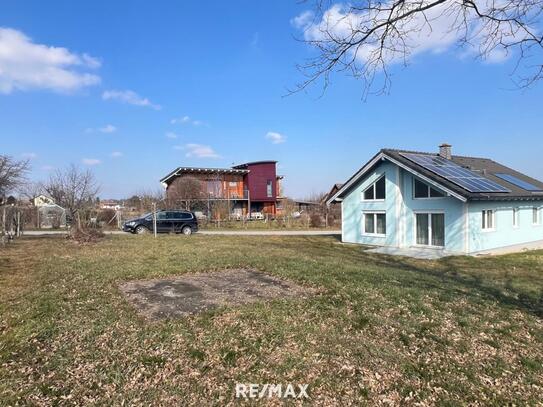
[229, 195]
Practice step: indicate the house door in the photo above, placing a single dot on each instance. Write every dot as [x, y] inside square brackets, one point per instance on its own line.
[430, 229]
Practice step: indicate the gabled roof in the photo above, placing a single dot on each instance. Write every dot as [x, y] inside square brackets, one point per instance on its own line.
[483, 166]
[329, 194]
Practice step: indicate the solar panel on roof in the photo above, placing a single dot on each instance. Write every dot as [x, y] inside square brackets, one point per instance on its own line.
[518, 182]
[453, 172]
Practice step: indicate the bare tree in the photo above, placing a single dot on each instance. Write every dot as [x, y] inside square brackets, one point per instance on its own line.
[73, 189]
[31, 190]
[366, 37]
[12, 174]
[185, 191]
[149, 199]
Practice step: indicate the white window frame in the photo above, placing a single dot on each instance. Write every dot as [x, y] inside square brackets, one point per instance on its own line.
[428, 189]
[516, 218]
[374, 214]
[429, 214]
[372, 185]
[536, 212]
[484, 220]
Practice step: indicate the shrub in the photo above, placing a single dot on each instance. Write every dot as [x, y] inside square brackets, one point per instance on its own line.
[105, 215]
[83, 236]
[315, 220]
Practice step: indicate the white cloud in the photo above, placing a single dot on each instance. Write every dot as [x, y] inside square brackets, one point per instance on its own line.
[47, 168]
[130, 97]
[303, 20]
[198, 151]
[109, 128]
[187, 120]
[29, 156]
[25, 65]
[116, 154]
[91, 161]
[426, 33]
[184, 119]
[171, 135]
[276, 138]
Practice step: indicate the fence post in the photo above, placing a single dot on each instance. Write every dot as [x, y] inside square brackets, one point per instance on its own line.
[4, 220]
[154, 219]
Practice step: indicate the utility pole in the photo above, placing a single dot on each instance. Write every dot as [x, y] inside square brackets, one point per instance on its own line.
[4, 221]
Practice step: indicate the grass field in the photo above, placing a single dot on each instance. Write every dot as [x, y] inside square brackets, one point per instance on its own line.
[380, 329]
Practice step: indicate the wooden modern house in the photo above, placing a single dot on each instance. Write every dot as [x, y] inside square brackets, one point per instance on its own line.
[250, 187]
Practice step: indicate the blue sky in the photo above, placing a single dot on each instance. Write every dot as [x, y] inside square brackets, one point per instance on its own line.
[143, 87]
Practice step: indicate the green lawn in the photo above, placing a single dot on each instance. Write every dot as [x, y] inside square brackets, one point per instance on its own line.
[399, 331]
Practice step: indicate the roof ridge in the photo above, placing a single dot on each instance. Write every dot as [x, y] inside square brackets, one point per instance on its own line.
[398, 150]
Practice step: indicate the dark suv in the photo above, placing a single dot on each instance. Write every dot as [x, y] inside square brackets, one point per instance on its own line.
[166, 222]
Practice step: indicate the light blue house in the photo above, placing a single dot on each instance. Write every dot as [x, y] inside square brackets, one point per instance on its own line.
[457, 204]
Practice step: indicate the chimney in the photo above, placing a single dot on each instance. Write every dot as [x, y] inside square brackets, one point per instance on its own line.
[445, 151]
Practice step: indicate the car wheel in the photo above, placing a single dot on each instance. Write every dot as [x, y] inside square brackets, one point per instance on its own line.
[141, 230]
[187, 230]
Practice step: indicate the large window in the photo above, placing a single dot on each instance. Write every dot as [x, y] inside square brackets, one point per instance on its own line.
[430, 229]
[375, 191]
[375, 223]
[488, 220]
[423, 190]
[535, 216]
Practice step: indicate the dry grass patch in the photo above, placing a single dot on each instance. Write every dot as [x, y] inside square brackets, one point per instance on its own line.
[383, 330]
[199, 292]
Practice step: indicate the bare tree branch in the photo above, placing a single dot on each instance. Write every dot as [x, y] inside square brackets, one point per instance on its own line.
[365, 38]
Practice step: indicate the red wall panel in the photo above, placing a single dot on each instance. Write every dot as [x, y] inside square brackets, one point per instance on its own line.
[257, 179]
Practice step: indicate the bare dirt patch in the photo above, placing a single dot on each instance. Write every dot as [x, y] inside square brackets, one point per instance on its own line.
[194, 293]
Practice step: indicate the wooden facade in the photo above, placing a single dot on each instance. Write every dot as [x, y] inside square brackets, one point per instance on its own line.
[251, 187]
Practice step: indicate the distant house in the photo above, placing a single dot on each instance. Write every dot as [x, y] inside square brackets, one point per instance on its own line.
[42, 200]
[111, 204]
[250, 187]
[331, 193]
[459, 204]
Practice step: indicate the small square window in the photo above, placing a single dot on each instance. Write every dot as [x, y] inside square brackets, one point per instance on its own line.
[375, 224]
[488, 219]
